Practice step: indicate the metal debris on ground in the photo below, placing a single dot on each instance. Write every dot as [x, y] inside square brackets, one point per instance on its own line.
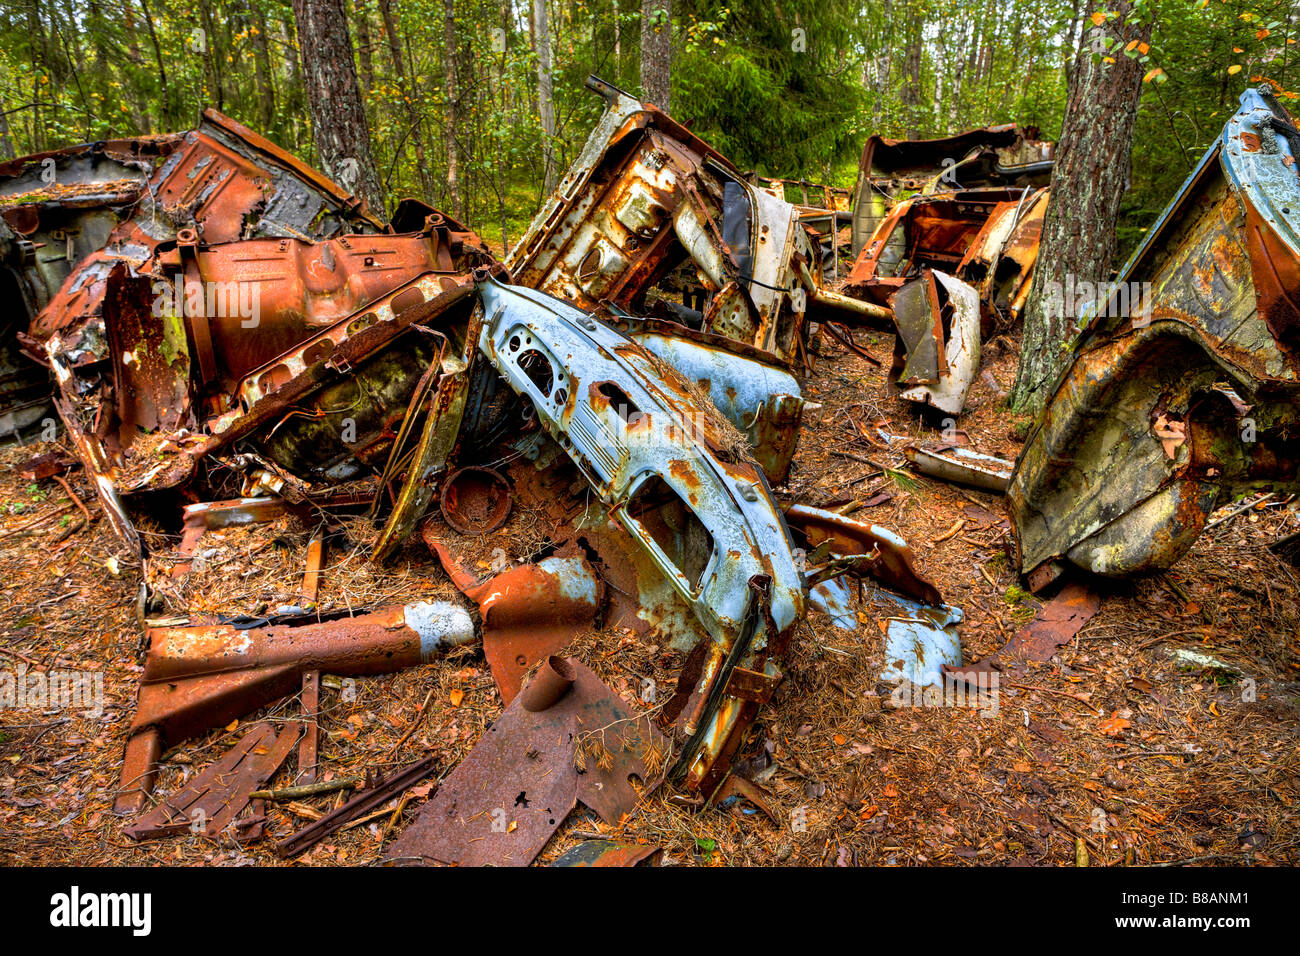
[567, 738]
[213, 799]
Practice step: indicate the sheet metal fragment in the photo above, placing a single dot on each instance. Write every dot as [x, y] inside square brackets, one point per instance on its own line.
[506, 799]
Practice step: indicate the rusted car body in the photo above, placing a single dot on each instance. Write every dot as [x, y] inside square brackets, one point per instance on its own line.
[1189, 399]
[242, 299]
[891, 170]
[953, 267]
[656, 225]
[678, 479]
[646, 197]
[56, 208]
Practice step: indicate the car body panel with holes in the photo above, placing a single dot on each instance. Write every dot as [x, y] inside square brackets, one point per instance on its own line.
[675, 476]
[1182, 393]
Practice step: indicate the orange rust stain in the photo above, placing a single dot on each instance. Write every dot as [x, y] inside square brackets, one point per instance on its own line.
[683, 472]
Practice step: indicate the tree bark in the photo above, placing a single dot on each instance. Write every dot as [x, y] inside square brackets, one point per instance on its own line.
[545, 95]
[910, 96]
[657, 52]
[262, 72]
[338, 117]
[364, 49]
[1093, 162]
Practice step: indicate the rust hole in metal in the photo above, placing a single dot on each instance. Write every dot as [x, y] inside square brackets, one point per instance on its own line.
[364, 322]
[617, 399]
[317, 352]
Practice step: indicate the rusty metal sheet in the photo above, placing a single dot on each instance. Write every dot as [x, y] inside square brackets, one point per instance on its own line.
[511, 793]
[211, 801]
[954, 463]
[529, 612]
[308, 748]
[887, 556]
[1055, 624]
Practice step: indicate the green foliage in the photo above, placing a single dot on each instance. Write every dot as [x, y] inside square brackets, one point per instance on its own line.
[790, 89]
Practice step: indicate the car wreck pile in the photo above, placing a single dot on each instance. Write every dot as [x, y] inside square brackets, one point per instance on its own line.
[235, 339]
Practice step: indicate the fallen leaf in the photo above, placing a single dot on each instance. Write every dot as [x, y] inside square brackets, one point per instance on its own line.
[456, 697]
[1114, 725]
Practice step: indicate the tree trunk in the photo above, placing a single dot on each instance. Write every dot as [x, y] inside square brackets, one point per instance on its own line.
[162, 70]
[338, 117]
[262, 72]
[1088, 182]
[453, 94]
[910, 97]
[545, 97]
[216, 89]
[364, 47]
[657, 52]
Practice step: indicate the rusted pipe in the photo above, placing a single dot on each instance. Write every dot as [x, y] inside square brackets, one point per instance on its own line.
[551, 683]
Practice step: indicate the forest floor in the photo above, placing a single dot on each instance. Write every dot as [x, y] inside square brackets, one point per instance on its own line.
[1112, 750]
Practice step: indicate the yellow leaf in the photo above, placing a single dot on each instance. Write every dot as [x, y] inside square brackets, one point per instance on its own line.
[1144, 48]
[1107, 59]
[1130, 46]
[1235, 68]
[840, 740]
[513, 826]
[232, 725]
[1260, 34]
[1098, 18]
[456, 697]
[1152, 74]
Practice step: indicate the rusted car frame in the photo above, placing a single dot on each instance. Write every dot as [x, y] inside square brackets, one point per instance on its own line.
[1182, 392]
[677, 478]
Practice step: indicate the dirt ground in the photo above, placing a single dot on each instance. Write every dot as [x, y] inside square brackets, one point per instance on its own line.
[1114, 751]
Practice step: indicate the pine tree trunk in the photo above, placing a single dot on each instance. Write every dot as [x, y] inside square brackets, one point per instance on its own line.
[262, 73]
[657, 52]
[338, 117]
[1088, 182]
[910, 96]
[365, 54]
[545, 96]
